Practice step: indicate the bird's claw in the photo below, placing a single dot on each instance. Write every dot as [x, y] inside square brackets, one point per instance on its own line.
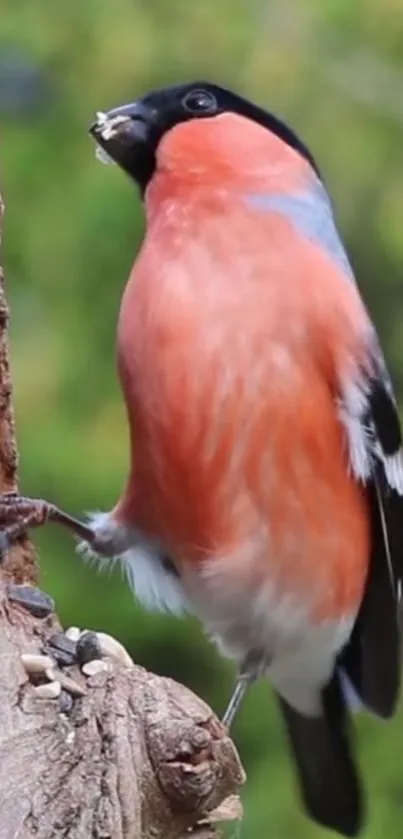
[18, 514]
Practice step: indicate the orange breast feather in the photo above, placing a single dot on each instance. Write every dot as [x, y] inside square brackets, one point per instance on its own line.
[233, 333]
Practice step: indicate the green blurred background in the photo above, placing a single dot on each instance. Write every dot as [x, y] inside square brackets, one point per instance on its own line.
[333, 69]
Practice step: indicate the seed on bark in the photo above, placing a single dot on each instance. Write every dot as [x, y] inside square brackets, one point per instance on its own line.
[73, 633]
[35, 664]
[97, 665]
[88, 647]
[70, 685]
[61, 648]
[39, 604]
[112, 648]
[50, 690]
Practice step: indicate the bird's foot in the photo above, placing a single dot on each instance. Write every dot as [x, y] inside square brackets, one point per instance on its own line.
[18, 514]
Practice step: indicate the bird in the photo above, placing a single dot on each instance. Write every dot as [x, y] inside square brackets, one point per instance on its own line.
[265, 485]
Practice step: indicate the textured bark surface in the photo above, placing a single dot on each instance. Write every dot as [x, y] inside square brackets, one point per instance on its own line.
[20, 564]
[138, 756]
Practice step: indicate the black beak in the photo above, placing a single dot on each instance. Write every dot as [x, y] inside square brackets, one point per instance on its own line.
[128, 136]
[122, 129]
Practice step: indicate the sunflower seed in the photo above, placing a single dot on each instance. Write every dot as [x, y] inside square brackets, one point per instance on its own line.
[51, 690]
[88, 647]
[35, 664]
[73, 633]
[112, 648]
[39, 604]
[61, 648]
[97, 665]
[70, 685]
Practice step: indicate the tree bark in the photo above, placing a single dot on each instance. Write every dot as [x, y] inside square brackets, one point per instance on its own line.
[136, 756]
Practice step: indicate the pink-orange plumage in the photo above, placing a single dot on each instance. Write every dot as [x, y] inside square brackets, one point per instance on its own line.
[232, 327]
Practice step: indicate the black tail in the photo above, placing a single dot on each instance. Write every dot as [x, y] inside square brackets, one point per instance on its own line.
[325, 767]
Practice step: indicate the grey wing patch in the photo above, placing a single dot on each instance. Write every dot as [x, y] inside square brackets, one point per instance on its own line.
[312, 215]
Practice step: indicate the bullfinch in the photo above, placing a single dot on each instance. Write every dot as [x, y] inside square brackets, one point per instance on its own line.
[264, 490]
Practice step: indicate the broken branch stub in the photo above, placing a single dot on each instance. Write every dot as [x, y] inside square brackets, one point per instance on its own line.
[114, 754]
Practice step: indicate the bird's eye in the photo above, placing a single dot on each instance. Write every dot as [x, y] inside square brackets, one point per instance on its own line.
[199, 101]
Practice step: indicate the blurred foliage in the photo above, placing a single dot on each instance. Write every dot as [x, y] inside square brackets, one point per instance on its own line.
[72, 228]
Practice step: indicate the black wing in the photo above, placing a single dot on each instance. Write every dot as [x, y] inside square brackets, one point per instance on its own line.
[372, 658]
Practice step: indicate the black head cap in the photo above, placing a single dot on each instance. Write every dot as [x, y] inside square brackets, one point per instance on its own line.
[130, 134]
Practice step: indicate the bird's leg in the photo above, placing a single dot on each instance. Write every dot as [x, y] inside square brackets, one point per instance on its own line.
[238, 695]
[251, 669]
[19, 514]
